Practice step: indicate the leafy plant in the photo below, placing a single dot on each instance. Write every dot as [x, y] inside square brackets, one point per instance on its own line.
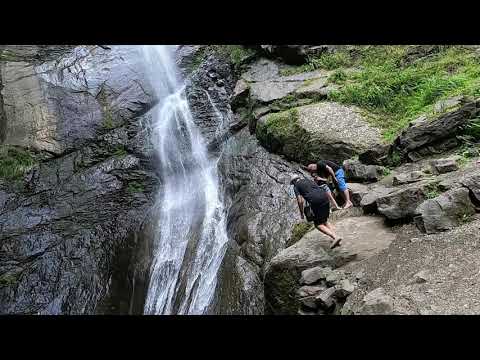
[386, 171]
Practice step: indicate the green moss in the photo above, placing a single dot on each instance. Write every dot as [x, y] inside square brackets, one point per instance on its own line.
[298, 231]
[135, 187]
[8, 279]
[14, 162]
[281, 133]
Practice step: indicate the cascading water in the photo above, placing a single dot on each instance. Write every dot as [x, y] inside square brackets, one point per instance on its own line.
[191, 238]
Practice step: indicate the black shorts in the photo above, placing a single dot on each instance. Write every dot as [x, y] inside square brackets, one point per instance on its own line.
[321, 212]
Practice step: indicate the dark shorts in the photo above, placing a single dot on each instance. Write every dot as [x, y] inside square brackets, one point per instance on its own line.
[321, 212]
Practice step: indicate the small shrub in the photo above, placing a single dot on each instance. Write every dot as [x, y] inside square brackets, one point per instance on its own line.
[108, 120]
[14, 162]
[465, 218]
[386, 171]
[338, 77]
[394, 159]
[432, 191]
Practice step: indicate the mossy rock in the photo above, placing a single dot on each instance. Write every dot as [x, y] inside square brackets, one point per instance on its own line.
[318, 131]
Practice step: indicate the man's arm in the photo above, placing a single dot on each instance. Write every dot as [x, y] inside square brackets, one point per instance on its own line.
[332, 174]
[300, 203]
[319, 178]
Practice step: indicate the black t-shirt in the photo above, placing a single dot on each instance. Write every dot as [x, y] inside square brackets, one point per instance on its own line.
[322, 170]
[313, 193]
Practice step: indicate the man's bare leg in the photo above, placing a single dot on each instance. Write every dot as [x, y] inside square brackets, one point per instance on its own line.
[324, 228]
[333, 201]
[348, 203]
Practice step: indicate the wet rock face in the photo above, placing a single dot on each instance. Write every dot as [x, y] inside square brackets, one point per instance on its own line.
[208, 92]
[58, 104]
[65, 222]
[261, 214]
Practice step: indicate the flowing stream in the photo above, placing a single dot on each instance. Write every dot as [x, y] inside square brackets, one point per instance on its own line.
[191, 238]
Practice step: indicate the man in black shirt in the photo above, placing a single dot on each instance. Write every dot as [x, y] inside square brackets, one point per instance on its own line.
[306, 189]
[326, 169]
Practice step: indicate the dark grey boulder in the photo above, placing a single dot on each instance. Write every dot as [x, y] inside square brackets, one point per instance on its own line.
[356, 171]
[441, 166]
[445, 212]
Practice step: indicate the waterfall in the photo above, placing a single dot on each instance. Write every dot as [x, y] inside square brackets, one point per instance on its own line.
[191, 237]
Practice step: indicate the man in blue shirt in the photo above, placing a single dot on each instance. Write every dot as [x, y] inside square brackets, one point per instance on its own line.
[326, 169]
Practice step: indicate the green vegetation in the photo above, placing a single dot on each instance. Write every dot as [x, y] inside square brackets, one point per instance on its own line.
[236, 54]
[8, 279]
[338, 77]
[108, 120]
[473, 129]
[399, 92]
[298, 231]
[386, 171]
[397, 84]
[120, 151]
[394, 159]
[464, 218]
[432, 190]
[135, 187]
[14, 162]
[327, 61]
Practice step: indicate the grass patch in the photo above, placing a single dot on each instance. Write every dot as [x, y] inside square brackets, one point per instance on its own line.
[135, 187]
[432, 190]
[120, 151]
[402, 92]
[298, 231]
[326, 61]
[472, 130]
[14, 162]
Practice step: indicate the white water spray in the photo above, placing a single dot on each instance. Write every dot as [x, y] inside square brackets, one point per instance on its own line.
[191, 237]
